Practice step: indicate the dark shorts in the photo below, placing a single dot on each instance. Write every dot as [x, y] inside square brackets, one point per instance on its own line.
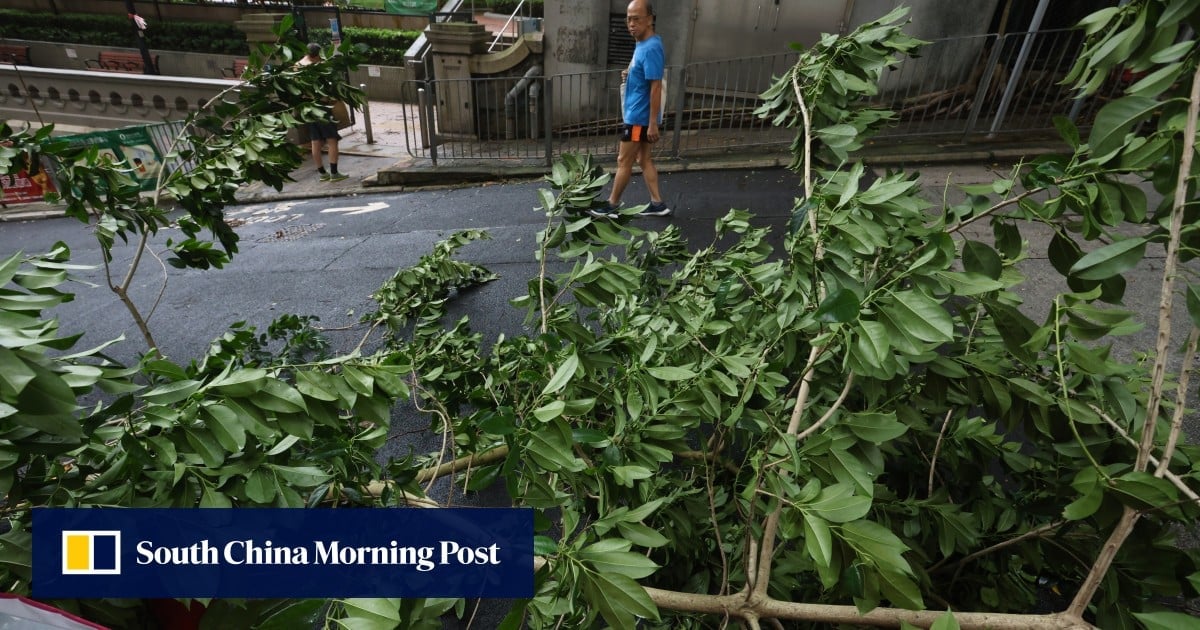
[323, 131]
[634, 133]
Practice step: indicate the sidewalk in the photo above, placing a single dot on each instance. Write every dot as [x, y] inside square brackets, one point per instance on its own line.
[392, 149]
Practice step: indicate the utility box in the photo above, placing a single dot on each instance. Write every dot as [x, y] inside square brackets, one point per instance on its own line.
[528, 25]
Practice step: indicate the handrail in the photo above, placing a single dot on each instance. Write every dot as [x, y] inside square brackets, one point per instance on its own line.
[504, 29]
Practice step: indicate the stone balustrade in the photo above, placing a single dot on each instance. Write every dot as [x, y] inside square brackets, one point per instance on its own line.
[102, 100]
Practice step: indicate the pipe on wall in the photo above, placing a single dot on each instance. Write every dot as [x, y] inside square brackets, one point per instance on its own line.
[510, 101]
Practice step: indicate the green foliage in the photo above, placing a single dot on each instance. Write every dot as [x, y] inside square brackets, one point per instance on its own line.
[117, 30]
[385, 47]
[833, 77]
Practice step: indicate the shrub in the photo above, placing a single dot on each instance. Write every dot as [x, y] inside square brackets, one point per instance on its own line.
[385, 47]
[114, 30]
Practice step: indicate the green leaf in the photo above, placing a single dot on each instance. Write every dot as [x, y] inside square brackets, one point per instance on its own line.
[226, 427]
[1142, 490]
[315, 384]
[852, 182]
[1165, 620]
[626, 475]
[1176, 12]
[206, 446]
[1110, 260]
[283, 445]
[1115, 120]
[667, 373]
[550, 411]
[212, 498]
[14, 374]
[967, 284]
[278, 396]
[376, 611]
[260, 487]
[171, 392]
[1174, 52]
[627, 563]
[562, 375]
[982, 259]
[9, 267]
[241, 383]
[641, 535]
[838, 504]
[550, 447]
[301, 476]
[618, 598]
[544, 546]
[1085, 505]
[1067, 129]
[818, 540]
[920, 316]
[877, 545]
[876, 428]
[842, 306]
[1158, 81]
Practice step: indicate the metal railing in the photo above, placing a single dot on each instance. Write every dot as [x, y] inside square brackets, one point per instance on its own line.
[952, 89]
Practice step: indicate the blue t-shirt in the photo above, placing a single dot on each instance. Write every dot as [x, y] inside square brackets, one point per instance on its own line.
[647, 66]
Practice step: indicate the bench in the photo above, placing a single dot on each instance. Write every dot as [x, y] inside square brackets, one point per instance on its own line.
[14, 54]
[113, 61]
[236, 70]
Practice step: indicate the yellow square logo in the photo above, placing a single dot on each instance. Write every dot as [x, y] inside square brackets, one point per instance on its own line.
[91, 553]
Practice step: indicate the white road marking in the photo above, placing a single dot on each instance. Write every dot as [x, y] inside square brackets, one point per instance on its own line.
[371, 207]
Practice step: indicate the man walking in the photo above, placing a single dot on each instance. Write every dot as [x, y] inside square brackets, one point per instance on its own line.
[642, 111]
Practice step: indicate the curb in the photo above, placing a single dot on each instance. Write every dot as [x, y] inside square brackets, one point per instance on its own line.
[404, 176]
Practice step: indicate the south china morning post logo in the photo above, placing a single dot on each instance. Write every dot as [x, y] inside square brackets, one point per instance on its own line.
[91, 552]
[270, 553]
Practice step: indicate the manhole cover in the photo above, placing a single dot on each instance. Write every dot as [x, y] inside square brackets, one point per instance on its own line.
[290, 232]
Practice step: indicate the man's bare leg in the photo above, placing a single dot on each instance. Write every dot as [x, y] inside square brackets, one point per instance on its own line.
[649, 171]
[627, 154]
[316, 153]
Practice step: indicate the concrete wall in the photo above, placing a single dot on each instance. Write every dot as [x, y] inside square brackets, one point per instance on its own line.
[725, 30]
[934, 20]
[575, 40]
[931, 19]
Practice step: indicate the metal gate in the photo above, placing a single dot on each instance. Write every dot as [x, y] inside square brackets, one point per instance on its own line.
[1013, 84]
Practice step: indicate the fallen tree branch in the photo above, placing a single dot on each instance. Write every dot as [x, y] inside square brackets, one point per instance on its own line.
[1129, 516]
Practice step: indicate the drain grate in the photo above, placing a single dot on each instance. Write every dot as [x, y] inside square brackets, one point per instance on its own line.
[290, 232]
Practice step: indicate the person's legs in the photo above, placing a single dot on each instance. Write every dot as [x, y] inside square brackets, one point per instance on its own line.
[316, 154]
[657, 207]
[333, 154]
[627, 154]
[649, 172]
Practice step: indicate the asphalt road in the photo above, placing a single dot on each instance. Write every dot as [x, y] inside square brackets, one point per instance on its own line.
[325, 257]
